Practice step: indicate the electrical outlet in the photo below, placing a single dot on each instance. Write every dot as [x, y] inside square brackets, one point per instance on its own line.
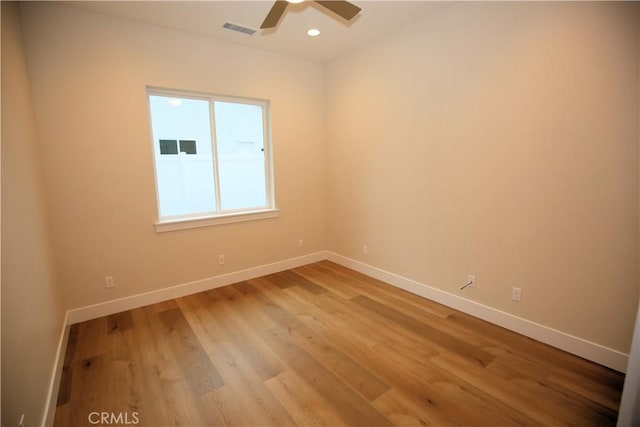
[516, 294]
[365, 249]
[300, 243]
[221, 259]
[109, 282]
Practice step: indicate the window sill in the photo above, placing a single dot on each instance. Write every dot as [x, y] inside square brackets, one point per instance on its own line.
[183, 224]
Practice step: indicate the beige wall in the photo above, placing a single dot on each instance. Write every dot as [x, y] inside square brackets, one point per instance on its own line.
[630, 401]
[501, 140]
[493, 139]
[88, 74]
[32, 315]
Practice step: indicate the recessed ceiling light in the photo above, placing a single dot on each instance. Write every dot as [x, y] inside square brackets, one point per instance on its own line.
[295, 1]
[313, 32]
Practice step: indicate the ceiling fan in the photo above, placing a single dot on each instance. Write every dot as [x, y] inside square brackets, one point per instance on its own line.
[340, 7]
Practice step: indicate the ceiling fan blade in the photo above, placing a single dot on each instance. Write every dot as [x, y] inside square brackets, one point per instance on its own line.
[341, 7]
[274, 15]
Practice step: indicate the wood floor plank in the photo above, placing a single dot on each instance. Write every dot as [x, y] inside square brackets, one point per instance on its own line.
[326, 346]
[312, 315]
[165, 305]
[444, 393]
[306, 405]
[375, 328]
[302, 282]
[515, 389]
[224, 339]
[276, 280]
[441, 338]
[227, 405]
[328, 282]
[601, 393]
[375, 288]
[64, 393]
[403, 301]
[192, 359]
[359, 378]
[440, 391]
[165, 392]
[92, 338]
[561, 381]
[403, 410]
[349, 406]
[544, 355]
[119, 322]
[418, 308]
[219, 329]
[90, 384]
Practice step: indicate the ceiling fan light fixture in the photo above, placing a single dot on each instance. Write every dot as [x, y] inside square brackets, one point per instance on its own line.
[342, 8]
[313, 32]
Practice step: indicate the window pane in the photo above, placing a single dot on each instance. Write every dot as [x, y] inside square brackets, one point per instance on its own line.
[168, 146]
[188, 147]
[185, 179]
[241, 157]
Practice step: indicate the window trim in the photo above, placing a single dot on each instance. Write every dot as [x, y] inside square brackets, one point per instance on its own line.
[218, 219]
[205, 219]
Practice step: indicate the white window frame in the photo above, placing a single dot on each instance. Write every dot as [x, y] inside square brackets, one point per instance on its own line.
[180, 222]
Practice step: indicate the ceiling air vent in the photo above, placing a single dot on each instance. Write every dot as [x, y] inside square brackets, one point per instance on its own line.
[239, 28]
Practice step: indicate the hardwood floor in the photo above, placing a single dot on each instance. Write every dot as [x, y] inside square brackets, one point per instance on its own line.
[325, 346]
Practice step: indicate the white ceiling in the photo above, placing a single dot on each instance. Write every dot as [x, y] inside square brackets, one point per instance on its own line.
[338, 36]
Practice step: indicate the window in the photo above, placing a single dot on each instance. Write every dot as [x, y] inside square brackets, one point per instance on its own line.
[212, 159]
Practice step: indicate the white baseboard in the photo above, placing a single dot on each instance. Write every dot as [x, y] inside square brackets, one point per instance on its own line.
[572, 344]
[140, 300]
[54, 386]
